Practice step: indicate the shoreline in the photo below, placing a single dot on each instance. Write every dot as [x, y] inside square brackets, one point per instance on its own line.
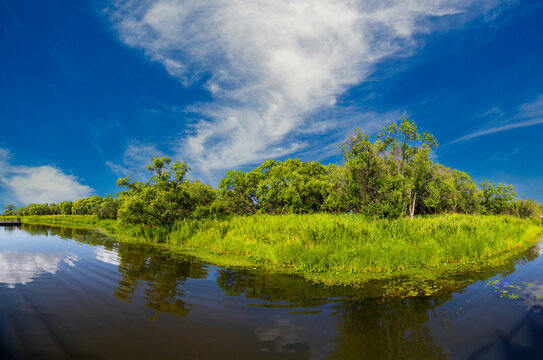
[221, 242]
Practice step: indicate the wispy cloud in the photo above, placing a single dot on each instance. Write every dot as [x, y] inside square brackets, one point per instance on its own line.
[38, 184]
[135, 157]
[528, 114]
[272, 65]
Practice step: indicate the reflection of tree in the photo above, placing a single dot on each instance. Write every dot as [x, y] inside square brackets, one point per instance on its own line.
[144, 269]
[86, 236]
[391, 329]
[397, 328]
[9, 228]
[295, 290]
[158, 276]
[367, 326]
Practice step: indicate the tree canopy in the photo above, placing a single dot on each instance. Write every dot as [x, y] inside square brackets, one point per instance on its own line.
[388, 175]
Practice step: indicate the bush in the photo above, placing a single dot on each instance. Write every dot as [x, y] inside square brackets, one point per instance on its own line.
[527, 208]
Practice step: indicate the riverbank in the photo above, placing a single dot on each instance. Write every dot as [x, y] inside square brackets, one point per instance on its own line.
[343, 249]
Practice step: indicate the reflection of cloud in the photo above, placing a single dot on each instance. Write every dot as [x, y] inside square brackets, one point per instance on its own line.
[284, 336]
[107, 256]
[18, 267]
[532, 296]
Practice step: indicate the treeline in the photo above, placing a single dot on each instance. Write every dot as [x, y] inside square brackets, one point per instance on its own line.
[389, 177]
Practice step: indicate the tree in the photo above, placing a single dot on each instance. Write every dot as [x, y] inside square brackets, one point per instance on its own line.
[107, 209]
[406, 153]
[390, 176]
[368, 181]
[497, 198]
[161, 200]
[65, 207]
[237, 193]
[9, 210]
[276, 187]
[86, 206]
[525, 208]
[450, 191]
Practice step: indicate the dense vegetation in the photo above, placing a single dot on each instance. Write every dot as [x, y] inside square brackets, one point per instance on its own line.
[339, 248]
[390, 177]
[339, 223]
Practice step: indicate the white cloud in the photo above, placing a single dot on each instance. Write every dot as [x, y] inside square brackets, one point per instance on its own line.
[135, 157]
[17, 267]
[272, 65]
[38, 184]
[528, 114]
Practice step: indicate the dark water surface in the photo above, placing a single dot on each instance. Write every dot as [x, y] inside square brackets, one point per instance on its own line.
[67, 293]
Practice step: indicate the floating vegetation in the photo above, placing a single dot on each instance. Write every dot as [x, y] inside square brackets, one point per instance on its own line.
[510, 291]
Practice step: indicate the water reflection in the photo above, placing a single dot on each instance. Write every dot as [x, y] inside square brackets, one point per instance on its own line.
[157, 277]
[283, 314]
[283, 336]
[107, 256]
[366, 327]
[277, 290]
[20, 268]
[392, 329]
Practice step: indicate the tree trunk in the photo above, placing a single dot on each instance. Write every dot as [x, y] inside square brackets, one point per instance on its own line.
[412, 207]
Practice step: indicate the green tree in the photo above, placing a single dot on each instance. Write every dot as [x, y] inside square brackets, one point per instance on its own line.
[86, 206]
[497, 198]
[276, 187]
[107, 209]
[406, 153]
[9, 210]
[237, 193]
[389, 177]
[65, 208]
[368, 183]
[451, 191]
[161, 200]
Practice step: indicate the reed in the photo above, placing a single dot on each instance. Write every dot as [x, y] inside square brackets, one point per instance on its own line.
[353, 243]
[335, 248]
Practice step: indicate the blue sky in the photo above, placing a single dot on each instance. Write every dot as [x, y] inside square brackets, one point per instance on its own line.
[90, 90]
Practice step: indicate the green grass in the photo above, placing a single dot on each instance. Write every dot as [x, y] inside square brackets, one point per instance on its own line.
[351, 243]
[337, 249]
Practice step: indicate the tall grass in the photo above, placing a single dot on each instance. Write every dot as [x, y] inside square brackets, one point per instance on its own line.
[329, 243]
[352, 243]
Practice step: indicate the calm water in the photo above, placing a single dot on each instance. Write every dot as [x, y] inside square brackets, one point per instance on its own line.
[68, 293]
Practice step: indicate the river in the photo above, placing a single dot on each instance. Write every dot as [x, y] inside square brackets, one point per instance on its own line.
[69, 293]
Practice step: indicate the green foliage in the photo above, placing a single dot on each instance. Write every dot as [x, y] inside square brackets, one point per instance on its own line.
[450, 191]
[275, 187]
[107, 209]
[390, 177]
[497, 198]
[165, 198]
[527, 209]
[65, 208]
[9, 210]
[237, 193]
[86, 206]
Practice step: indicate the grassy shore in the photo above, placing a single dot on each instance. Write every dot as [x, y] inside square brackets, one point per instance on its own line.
[337, 249]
